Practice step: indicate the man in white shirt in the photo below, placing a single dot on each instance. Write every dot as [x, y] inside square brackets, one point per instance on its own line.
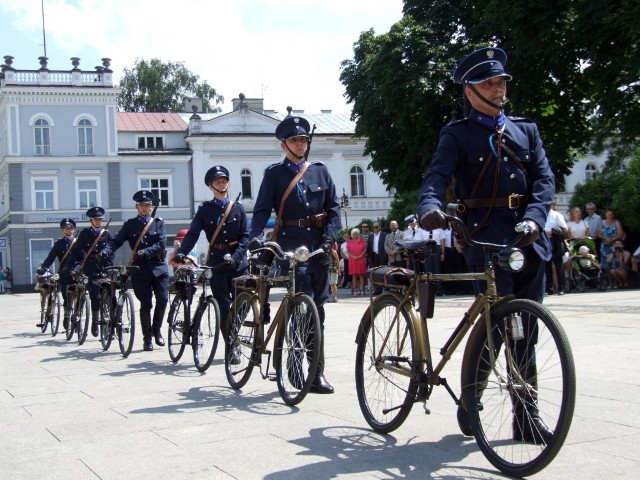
[376, 254]
[556, 228]
[414, 231]
[434, 263]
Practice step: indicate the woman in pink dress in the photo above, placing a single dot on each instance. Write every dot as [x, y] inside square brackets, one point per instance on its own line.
[357, 261]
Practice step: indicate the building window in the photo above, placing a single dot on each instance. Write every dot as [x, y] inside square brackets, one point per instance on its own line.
[357, 181]
[87, 193]
[42, 137]
[150, 143]
[85, 137]
[590, 171]
[159, 187]
[245, 178]
[44, 193]
[39, 250]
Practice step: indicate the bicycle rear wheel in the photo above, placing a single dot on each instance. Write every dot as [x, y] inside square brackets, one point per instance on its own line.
[125, 323]
[297, 349]
[178, 324]
[56, 311]
[82, 318]
[44, 302]
[107, 311]
[520, 408]
[206, 331]
[241, 343]
[385, 384]
[71, 311]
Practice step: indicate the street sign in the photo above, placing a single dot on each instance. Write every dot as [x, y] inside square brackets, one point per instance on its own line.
[3, 242]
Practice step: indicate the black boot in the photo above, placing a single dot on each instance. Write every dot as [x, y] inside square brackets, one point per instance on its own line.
[65, 323]
[145, 324]
[158, 316]
[94, 322]
[528, 427]
[320, 384]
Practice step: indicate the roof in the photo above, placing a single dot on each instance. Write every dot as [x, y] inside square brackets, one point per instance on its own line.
[150, 122]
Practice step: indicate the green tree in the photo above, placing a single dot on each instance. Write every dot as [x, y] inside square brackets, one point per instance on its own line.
[155, 86]
[575, 65]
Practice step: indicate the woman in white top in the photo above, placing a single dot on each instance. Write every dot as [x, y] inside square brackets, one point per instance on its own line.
[577, 227]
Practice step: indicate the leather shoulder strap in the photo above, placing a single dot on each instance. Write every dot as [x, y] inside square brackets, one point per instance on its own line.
[66, 254]
[218, 228]
[296, 179]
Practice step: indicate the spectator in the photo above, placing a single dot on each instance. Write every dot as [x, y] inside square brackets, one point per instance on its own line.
[393, 253]
[8, 281]
[556, 228]
[618, 262]
[346, 276]
[594, 222]
[610, 231]
[577, 227]
[357, 249]
[376, 254]
[1, 281]
[334, 273]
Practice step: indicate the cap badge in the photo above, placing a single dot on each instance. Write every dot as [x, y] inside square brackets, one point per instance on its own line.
[490, 53]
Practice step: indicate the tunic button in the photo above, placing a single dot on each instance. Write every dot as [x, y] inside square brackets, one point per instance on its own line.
[504, 159]
[475, 224]
[307, 204]
[481, 159]
[308, 229]
[512, 176]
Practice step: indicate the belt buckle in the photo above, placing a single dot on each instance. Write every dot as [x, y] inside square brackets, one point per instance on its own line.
[514, 201]
[301, 222]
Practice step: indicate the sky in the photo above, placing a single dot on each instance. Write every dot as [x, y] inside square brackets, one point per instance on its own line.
[285, 51]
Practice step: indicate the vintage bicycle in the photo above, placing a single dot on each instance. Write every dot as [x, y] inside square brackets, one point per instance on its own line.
[296, 326]
[203, 330]
[50, 302]
[517, 368]
[78, 302]
[117, 315]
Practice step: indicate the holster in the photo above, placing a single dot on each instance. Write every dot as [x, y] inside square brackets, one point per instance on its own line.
[319, 220]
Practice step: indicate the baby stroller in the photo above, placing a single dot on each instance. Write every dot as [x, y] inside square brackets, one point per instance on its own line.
[585, 269]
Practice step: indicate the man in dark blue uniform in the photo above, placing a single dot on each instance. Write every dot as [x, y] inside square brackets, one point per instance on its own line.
[310, 217]
[93, 264]
[502, 177]
[59, 250]
[231, 240]
[152, 277]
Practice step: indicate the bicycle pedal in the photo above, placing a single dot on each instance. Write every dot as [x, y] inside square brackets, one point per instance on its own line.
[272, 377]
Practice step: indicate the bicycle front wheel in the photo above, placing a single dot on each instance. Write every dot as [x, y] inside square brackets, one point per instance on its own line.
[82, 318]
[240, 344]
[56, 308]
[206, 330]
[520, 406]
[297, 348]
[385, 384]
[125, 323]
[106, 318]
[71, 312]
[44, 302]
[178, 324]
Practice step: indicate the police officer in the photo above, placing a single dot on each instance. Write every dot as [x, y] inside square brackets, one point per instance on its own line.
[59, 250]
[231, 240]
[310, 217]
[152, 277]
[94, 263]
[502, 178]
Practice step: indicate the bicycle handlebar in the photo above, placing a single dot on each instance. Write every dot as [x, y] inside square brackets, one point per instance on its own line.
[521, 229]
[280, 253]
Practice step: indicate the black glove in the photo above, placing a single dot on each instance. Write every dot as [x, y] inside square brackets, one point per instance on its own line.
[179, 258]
[531, 237]
[77, 270]
[327, 244]
[142, 254]
[41, 271]
[104, 254]
[231, 264]
[433, 219]
[254, 244]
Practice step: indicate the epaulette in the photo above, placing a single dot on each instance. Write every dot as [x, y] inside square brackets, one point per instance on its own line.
[317, 163]
[272, 165]
[520, 119]
[458, 122]
[158, 219]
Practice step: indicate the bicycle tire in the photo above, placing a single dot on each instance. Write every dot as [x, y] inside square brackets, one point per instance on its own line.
[206, 332]
[82, 318]
[71, 311]
[385, 396]
[241, 342]
[44, 301]
[56, 309]
[107, 312]
[295, 358]
[504, 411]
[177, 324]
[125, 324]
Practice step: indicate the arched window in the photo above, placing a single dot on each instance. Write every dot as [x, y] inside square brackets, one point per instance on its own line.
[590, 171]
[42, 137]
[245, 179]
[357, 181]
[85, 137]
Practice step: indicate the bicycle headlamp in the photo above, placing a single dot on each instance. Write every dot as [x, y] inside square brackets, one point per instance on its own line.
[511, 259]
[55, 277]
[208, 274]
[84, 280]
[123, 270]
[301, 254]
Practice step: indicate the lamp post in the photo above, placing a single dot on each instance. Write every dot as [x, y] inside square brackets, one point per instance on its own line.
[344, 205]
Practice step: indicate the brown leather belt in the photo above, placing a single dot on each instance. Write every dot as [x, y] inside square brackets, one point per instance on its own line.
[225, 246]
[512, 202]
